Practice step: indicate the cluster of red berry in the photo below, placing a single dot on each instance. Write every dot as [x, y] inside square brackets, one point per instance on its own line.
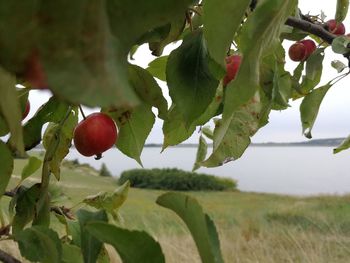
[301, 50]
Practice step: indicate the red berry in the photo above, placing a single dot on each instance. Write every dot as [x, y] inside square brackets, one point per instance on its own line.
[335, 27]
[34, 72]
[309, 45]
[26, 111]
[297, 51]
[232, 65]
[94, 135]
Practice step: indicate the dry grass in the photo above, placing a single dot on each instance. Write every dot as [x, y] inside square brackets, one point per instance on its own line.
[252, 227]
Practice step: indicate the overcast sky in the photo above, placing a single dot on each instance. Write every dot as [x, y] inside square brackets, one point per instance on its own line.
[333, 119]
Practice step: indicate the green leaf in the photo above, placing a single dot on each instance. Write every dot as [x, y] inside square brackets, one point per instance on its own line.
[42, 212]
[191, 85]
[10, 109]
[103, 257]
[174, 128]
[292, 33]
[260, 35]
[73, 229]
[197, 17]
[221, 21]
[31, 167]
[201, 153]
[25, 207]
[62, 136]
[201, 227]
[3, 126]
[342, 10]
[40, 244]
[71, 254]
[6, 167]
[207, 132]
[338, 65]
[343, 146]
[340, 44]
[83, 61]
[23, 99]
[155, 35]
[309, 108]
[313, 71]
[154, 13]
[297, 73]
[157, 67]
[90, 246]
[176, 28]
[132, 246]
[23, 95]
[232, 137]
[134, 127]
[133, 50]
[26, 20]
[282, 88]
[52, 111]
[109, 202]
[148, 89]
[214, 107]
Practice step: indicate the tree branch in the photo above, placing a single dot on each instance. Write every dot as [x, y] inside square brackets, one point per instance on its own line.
[61, 210]
[7, 258]
[311, 28]
[10, 193]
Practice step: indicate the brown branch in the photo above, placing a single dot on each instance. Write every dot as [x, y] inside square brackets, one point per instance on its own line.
[311, 28]
[7, 258]
[61, 210]
[10, 193]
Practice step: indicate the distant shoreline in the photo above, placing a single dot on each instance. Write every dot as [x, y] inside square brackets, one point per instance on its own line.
[328, 142]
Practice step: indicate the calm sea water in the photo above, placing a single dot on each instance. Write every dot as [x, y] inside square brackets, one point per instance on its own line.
[285, 170]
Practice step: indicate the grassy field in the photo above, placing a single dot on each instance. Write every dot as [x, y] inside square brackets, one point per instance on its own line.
[252, 227]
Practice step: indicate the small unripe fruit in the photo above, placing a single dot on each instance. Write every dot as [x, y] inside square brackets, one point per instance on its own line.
[26, 110]
[297, 51]
[309, 45]
[232, 65]
[335, 27]
[95, 135]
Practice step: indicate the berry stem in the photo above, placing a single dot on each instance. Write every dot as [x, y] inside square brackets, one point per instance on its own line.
[82, 112]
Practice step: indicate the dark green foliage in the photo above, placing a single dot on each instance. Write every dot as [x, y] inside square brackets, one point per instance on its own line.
[175, 179]
[104, 171]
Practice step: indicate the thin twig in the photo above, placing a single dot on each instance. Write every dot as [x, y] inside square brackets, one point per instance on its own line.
[61, 210]
[10, 193]
[82, 112]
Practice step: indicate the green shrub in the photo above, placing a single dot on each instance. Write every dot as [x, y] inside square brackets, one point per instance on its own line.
[175, 179]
